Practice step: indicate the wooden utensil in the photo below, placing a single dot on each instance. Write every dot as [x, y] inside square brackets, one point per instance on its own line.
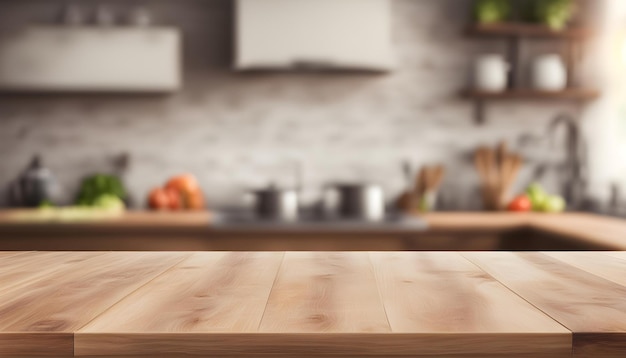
[427, 183]
[498, 168]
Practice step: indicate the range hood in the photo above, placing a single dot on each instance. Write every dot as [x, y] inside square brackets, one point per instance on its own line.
[313, 34]
[90, 59]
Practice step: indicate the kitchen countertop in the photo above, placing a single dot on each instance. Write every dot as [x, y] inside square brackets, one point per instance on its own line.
[313, 304]
[128, 219]
[587, 228]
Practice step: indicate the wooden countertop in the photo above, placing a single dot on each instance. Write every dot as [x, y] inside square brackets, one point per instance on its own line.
[313, 304]
[590, 228]
[128, 219]
[594, 229]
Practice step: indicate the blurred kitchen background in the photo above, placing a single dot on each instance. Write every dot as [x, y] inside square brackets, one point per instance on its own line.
[303, 126]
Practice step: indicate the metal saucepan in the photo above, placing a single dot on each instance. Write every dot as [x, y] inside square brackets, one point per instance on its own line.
[355, 201]
[275, 203]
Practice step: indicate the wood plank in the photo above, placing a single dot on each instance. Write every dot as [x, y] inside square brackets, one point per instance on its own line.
[600, 264]
[307, 344]
[209, 293]
[443, 292]
[618, 254]
[7, 254]
[599, 345]
[24, 270]
[325, 292]
[42, 315]
[590, 306]
[64, 302]
[36, 344]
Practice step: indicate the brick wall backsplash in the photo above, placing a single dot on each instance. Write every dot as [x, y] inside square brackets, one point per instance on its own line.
[237, 131]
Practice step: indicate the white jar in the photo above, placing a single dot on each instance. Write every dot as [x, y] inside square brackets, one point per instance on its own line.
[491, 73]
[549, 73]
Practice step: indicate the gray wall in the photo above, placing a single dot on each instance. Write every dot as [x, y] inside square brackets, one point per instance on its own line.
[236, 131]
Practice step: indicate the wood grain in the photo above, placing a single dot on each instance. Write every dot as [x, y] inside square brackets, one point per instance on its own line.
[319, 292]
[599, 345]
[314, 345]
[208, 293]
[443, 292]
[609, 267]
[36, 344]
[581, 301]
[21, 271]
[64, 302]
[420, 288]
[313, 304]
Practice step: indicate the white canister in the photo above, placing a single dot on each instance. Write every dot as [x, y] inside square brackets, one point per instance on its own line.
[549, 73]
[491, 73]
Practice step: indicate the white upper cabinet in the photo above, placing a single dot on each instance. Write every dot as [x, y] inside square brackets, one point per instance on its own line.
[90, 59]
[335, 34]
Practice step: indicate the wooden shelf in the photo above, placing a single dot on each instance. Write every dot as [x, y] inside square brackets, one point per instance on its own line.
[526, 30]
[579, 94]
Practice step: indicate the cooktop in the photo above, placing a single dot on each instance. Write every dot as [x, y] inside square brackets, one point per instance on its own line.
[249, 221]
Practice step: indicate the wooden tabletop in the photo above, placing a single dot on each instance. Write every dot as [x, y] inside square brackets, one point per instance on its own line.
[313, 304]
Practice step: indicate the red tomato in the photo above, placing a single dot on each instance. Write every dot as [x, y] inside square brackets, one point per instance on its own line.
[174, 199]
[185, 183]
[195, 201]
[521, 204]
[159, 199]
[188, 191]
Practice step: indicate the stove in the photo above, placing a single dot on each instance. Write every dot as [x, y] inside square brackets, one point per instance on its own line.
[248, 221]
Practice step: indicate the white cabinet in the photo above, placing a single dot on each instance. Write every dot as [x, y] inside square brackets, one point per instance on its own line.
[283, 34]
[90, 59]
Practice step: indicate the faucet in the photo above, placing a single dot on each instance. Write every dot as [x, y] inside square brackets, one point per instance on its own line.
[575, 166]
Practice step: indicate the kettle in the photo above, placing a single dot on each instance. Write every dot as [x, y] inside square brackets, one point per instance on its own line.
[36, 185]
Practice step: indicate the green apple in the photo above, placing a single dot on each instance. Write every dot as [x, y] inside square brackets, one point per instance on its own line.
[535, 188]
[554, 204]
[537, 196]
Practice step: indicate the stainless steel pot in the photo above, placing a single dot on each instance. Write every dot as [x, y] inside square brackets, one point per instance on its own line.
[355, 201]
[277, 204]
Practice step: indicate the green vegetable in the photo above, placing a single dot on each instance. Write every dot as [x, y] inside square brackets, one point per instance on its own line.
[554, 13]
[492, 11]
[109, 202]
[93, 187]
